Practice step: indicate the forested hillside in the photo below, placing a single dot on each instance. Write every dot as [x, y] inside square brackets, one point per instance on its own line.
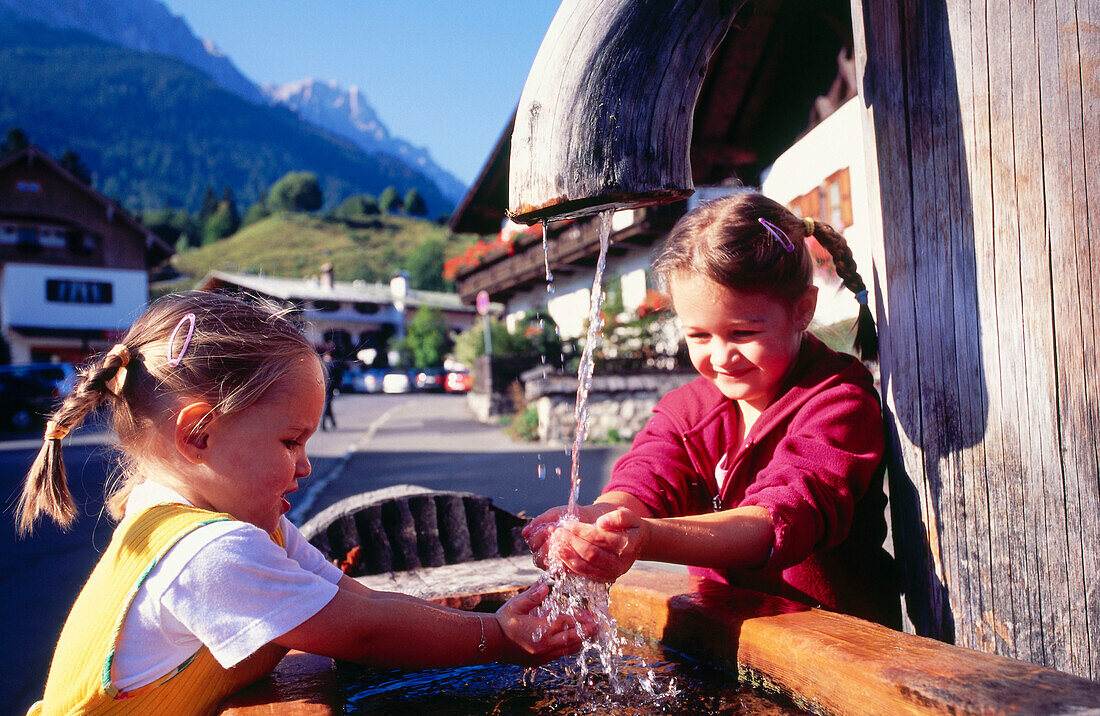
[155, 132]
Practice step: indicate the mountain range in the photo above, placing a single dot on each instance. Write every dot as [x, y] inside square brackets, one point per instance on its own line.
[53, 32]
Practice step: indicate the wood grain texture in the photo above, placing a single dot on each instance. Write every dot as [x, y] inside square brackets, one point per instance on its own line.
[605, 118]
[832, 663]
[986, 172]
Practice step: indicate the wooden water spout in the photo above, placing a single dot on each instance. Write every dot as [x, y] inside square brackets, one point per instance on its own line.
[605, 119]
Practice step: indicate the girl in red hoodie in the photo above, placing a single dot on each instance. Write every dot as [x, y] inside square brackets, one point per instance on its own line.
[766, 471]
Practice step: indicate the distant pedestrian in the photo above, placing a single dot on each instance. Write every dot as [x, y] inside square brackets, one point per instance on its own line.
[333, 373]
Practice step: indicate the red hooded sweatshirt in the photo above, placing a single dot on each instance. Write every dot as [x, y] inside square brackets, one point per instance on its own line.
[813, 459]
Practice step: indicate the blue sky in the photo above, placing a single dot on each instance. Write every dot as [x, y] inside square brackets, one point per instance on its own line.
[442, 74]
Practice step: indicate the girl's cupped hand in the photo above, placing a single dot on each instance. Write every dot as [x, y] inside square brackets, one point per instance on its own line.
[601, 544]
[531, 639]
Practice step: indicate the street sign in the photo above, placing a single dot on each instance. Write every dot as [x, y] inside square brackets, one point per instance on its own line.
[482, 303]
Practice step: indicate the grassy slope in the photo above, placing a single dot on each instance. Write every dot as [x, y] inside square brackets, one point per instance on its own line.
[295, 245]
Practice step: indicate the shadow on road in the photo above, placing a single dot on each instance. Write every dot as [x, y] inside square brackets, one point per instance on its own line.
[521, 481]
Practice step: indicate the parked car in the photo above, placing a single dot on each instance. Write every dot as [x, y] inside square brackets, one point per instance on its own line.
[61, 376]
[396, 381]
[25, 402]
[458, 381]
[360, 379]
[427, 379]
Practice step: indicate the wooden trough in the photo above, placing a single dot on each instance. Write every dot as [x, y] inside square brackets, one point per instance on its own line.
[826, 663]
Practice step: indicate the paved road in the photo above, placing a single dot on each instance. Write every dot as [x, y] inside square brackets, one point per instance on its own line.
[382, 440]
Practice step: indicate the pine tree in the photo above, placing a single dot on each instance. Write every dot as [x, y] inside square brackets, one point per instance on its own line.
[15, 140]
[388, 200]
[209, 205]
[414, 203]
[70, 162]
[230, 203]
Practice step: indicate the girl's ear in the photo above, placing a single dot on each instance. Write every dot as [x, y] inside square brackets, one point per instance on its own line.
[191, 432]
[805, 306]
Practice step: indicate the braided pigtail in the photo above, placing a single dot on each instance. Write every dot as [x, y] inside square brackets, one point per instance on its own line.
[46, 490]
[866, 341]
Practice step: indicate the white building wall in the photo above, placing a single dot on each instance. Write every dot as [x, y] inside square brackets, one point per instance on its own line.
[834, 144]
[48, 297]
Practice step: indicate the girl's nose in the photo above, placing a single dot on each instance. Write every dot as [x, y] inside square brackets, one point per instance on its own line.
[723, 354]
[303, 468]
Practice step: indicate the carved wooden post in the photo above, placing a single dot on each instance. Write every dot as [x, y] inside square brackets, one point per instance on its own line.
[605, 118]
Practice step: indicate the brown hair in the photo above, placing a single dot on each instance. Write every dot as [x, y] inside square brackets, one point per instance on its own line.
[726, 241]
[240, 347]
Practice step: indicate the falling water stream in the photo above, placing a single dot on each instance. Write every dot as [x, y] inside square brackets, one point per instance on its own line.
[602, 653]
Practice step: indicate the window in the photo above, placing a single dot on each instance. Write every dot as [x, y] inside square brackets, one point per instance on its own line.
[326, 306]
[64, 290]
[30, 187]
[838, 200]
[27, 238]
[830, 202]
[80, 243]
[52, 238]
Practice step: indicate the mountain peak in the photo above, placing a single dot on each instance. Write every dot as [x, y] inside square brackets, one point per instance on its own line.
[211, 48]
[145, 25]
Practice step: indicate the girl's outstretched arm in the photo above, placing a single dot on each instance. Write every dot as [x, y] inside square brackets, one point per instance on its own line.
[606, 547]
[380, 628]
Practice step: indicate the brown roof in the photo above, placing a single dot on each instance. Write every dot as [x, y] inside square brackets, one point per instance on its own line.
[32, 153]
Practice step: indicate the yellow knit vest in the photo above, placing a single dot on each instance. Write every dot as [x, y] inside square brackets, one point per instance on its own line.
[80, 675]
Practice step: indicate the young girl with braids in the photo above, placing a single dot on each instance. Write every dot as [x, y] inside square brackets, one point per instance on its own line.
[205, 584]
[766, 471]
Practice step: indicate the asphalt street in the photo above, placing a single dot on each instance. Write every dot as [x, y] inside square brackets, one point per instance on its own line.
[429, 440]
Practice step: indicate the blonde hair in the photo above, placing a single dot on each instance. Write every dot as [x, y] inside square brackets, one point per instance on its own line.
[729, 241]
[240, 347]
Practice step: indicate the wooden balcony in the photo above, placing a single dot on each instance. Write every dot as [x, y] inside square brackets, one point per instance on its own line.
[574, 245]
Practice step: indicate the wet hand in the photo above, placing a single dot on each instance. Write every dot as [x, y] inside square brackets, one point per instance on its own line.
[604, 550]
[538, 532]
[531, 639]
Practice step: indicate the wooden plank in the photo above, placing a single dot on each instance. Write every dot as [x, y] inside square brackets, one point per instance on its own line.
[880, 67]
[1079, 29]
[1008, 293]
[1060, 124]
[1043, 484]
[972, 498]
[935, 314]
[832, 663]
[998, 621]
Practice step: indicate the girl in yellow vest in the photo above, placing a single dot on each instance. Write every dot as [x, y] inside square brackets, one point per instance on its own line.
[206, 584]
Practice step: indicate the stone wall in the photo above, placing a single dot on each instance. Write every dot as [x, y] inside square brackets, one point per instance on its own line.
[618, 405]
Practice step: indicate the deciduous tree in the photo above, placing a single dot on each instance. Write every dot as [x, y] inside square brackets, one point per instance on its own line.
[295, 191]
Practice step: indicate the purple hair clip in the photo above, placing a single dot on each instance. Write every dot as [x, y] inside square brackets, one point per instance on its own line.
[189, 319]
[779, 234]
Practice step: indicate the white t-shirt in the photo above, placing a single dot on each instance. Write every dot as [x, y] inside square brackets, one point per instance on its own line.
[226, 585]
